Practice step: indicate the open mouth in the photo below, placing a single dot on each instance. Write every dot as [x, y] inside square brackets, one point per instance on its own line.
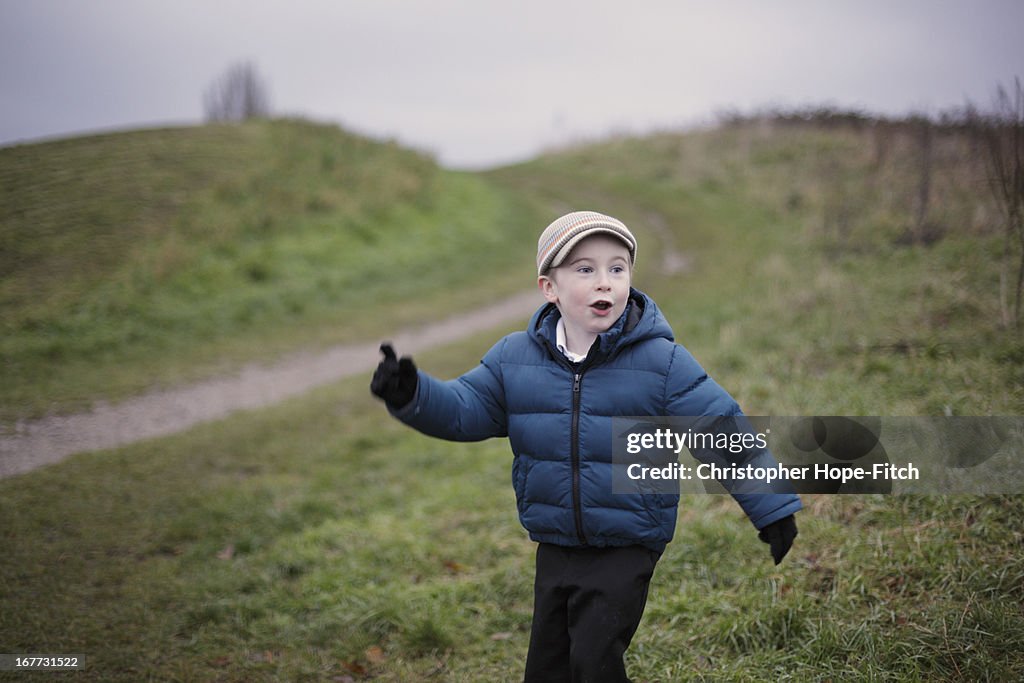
[601, 305]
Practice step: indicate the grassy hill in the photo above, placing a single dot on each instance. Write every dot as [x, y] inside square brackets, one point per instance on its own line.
[319, 539]
[152, 257]
[809, 285]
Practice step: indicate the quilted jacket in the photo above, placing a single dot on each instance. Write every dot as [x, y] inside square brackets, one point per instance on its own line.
[558, 418]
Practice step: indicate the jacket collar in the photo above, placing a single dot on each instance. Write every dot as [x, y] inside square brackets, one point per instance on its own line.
[620, 334]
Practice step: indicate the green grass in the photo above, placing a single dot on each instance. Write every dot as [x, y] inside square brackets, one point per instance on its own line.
[787, 311]
[155, 257]
[320, 539]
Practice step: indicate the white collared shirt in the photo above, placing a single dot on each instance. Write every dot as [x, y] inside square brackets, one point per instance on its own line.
[562, 345]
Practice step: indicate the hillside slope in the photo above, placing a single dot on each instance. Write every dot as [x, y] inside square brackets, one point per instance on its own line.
[800, 264]
[157, 256]
[798, 261]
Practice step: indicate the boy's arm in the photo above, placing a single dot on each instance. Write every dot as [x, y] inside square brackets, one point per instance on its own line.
[468, 408]
[690, 392]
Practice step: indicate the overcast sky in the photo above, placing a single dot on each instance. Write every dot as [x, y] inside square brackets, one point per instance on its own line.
[482, 83]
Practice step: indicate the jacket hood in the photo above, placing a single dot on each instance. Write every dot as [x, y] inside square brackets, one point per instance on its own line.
[640, 321]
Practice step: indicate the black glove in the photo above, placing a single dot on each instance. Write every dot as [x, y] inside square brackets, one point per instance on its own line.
[394, 380]
[779, 535]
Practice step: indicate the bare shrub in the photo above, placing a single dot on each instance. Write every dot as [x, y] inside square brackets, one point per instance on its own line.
[237, 95]
[1001, 134]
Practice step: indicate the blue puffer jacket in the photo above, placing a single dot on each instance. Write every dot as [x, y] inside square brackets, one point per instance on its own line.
[557, 416]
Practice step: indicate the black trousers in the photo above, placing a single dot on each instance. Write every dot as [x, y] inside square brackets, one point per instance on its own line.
[587, 605]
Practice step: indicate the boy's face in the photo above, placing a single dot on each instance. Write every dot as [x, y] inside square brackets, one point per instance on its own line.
[591, 285]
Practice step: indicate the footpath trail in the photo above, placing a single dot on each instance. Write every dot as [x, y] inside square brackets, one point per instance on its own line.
[48, 440]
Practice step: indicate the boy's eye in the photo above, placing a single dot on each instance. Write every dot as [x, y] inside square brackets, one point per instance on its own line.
[584, 269]
[617, 269]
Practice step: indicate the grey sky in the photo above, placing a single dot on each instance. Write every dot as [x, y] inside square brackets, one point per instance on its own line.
[481, 83]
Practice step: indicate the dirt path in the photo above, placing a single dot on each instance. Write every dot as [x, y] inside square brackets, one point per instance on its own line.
[49, 440]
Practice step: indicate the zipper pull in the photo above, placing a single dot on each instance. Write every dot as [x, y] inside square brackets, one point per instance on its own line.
[576, 384]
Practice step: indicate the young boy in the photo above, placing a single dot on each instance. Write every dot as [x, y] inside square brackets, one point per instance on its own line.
[597, 349]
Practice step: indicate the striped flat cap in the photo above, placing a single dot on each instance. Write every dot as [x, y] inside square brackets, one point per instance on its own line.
[564, 233]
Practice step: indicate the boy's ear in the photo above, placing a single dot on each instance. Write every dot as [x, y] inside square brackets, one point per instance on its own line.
[548, 288]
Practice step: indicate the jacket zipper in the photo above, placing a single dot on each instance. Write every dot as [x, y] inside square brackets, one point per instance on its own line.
[576, 500]
[577, 380]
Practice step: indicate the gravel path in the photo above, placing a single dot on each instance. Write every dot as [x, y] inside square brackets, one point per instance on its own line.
[42, 442]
